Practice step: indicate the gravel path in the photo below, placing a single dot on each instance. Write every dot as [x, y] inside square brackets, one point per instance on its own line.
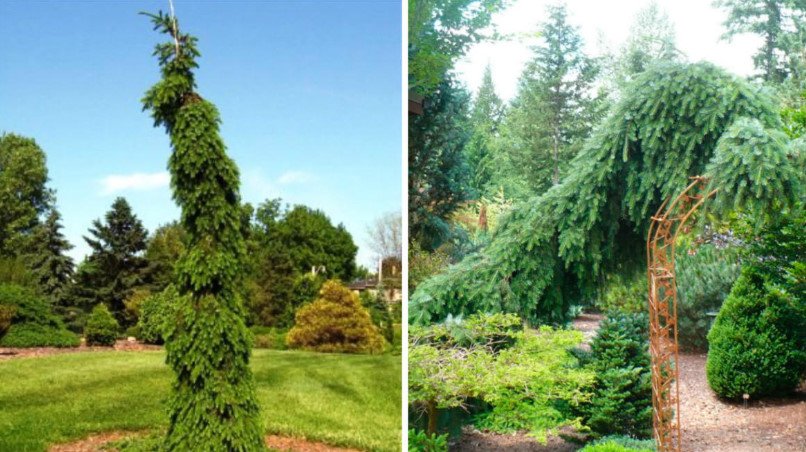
[710, 425]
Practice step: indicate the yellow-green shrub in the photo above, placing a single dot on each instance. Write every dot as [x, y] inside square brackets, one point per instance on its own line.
[335, 322]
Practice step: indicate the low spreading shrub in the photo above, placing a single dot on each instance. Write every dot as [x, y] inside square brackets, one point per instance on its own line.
[29, 320]
[34, 335]
[528, 378]
[156, 312]
[622, 393]
[420, 441]
[758, 341]
[617, 443]
[335, 322]
[101, 328]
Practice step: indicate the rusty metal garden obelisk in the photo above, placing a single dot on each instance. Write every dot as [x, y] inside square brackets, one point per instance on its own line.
[663, 350]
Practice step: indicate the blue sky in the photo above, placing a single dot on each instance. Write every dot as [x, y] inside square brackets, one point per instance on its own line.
[309, 94]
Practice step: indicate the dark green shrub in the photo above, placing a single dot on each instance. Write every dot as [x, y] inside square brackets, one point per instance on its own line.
[618, 443]
[758, 341]
[32, 324]
[420, 441]
[34, 335]
[156, 313]
[101, 328]
[624, 293]
[622, 394]
[704, 280]
[335, 322]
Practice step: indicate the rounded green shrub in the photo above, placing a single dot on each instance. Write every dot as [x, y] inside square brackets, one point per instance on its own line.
[758, 341]
[335, 322]
[101, 328]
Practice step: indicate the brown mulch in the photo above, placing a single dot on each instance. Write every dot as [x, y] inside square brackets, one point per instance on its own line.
[91, 443]
[474, 440]
[96, 443]
[709, 424]
[121, 345]
[286, 443]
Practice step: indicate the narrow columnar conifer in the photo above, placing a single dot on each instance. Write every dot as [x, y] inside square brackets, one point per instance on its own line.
[213, 406]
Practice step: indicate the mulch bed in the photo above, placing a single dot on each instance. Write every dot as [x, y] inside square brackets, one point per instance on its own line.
[121, 345]
[97, 443]
[709, 424]
[474, 440]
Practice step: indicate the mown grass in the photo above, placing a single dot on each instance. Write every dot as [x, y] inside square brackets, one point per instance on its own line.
[344, 400]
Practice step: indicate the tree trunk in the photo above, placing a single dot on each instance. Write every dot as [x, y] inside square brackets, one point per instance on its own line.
[431, 408]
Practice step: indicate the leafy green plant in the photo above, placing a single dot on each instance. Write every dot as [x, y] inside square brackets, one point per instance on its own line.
[492, 358]
[618, 443]
[335, 322]
[420, 441]
[270, 338]
[101, 328]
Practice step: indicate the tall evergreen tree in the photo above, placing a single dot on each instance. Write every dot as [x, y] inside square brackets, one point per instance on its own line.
[49, 263]
[555, 105]
[485, 120]
[652, 39]
[213, 406]
[438, 172]
[780, 23]
[116, 265]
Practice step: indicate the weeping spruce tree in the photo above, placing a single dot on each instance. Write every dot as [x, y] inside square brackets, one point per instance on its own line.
[213, 406]
[674, 121]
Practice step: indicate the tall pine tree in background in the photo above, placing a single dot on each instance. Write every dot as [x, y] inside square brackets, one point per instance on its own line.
[652, 39]
[780, 23]
[213, 406]
[116, 265]
[555, 107]
[52, 268]
[439, 176]
[485, 120]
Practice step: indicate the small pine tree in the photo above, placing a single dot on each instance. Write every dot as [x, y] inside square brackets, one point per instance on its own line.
[335, 322]
[52, 267]
[101, 328]
[213, 406]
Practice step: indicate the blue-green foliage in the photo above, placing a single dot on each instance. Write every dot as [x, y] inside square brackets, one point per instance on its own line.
[550, 252]
[213, 406]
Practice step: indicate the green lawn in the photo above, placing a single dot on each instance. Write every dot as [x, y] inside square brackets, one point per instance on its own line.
[345, 400]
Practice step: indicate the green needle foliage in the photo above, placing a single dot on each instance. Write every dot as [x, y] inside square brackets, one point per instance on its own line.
[552, 251]
[213, 406]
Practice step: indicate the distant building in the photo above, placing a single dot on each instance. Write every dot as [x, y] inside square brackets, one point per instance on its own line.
[390, 281]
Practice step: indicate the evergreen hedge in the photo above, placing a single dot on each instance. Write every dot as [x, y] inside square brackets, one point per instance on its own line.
[101, 327]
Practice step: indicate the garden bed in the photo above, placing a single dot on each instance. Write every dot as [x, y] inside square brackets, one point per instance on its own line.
[121, 345]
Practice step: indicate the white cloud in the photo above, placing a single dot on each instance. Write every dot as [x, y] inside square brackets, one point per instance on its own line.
[137, 181]
[294, 177]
